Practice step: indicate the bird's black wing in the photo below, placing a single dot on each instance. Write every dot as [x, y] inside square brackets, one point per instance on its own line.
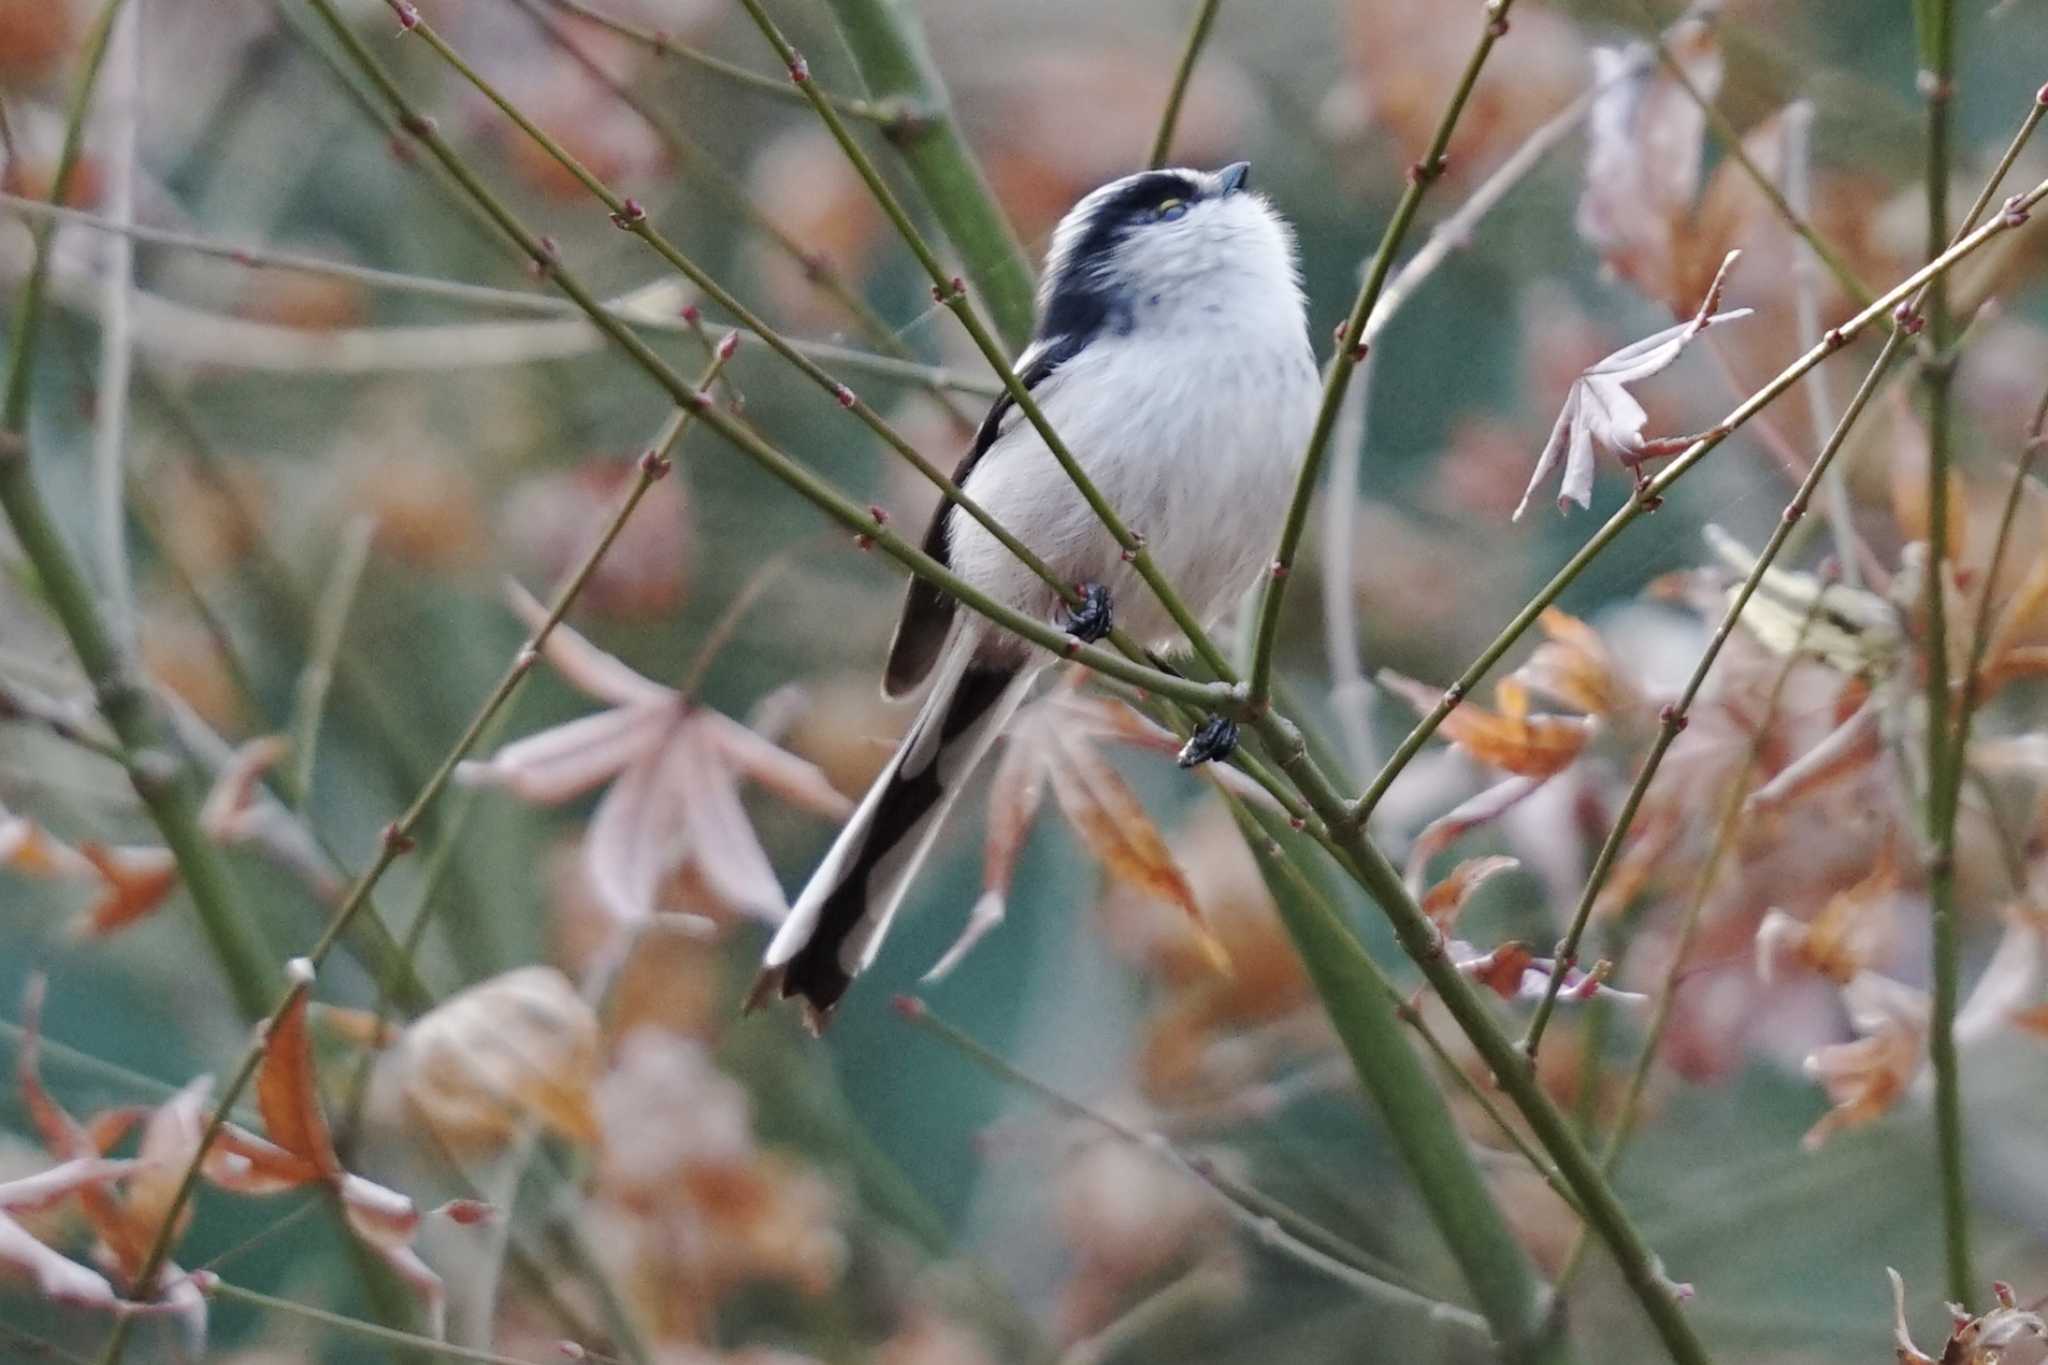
[927, 611]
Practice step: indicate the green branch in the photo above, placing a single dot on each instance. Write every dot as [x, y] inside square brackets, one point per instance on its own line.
[1351, 347]
[1353, 992]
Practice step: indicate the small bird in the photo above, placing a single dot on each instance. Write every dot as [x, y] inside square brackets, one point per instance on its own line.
[1171, 354]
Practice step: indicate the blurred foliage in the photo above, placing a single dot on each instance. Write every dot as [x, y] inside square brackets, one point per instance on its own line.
[878, 1196]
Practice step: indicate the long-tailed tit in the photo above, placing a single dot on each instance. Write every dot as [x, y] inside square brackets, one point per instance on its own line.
[1172, 357]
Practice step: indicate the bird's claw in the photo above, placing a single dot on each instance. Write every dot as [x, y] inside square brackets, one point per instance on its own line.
[1093, 619]
[1214, 739]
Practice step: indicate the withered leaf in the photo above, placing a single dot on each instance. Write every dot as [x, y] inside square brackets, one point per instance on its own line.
[1444, 901]
[1510, 739]
[519, 1048]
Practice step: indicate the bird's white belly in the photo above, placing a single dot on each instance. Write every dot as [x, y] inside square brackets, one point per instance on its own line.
[1196, 458]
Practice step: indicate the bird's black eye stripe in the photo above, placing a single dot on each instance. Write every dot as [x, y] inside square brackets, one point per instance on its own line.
[1079, 302]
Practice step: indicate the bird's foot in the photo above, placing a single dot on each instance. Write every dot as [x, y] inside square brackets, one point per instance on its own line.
[1093, 619]
[1213, 740]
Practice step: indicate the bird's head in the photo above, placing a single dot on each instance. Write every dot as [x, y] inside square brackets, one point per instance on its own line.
[1163, 242]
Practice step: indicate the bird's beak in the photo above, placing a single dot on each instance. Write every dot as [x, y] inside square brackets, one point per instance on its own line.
[1233, 177]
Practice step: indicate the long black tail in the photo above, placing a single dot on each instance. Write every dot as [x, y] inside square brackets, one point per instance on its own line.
[838, 922]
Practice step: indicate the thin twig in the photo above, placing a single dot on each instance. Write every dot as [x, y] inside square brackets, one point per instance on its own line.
[1351, 347]
[1191, 52]
[1271, 1222]
[1672, 719]
[330, 628]
[117, 356]
[887, 115]
[379, 340]
[369, 1331]
[702, 167]
[888, 45]
[1934, 24]
[1350, 691]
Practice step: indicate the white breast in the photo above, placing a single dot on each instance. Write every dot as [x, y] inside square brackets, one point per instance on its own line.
[1191, 424]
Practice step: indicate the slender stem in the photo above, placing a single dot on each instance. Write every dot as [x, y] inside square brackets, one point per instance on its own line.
[1552, 1130]
[1285, 1229]
[1934, 24]
[1350, 693]
[1651, 492]
[889, 115]
[888, 46]
[117, 353]
[369, 1331]
[946, 288]
[869, 524]
[330, 628]
[1351, 346]
[20, 704]
[1673, 718]
[1438, 1159]
[1726, 828]
[1190, 53]
[623, 308]
[162, 782]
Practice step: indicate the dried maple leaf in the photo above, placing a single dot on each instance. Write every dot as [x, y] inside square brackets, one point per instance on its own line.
[674, 769]
[1849, 935]
[26, 847]
[1509, 739]
[1866, 1076]
[1446, 900]
[519, 1048]
[1052, 744]
[126, 1227]
[299, 1150]
[1600, 413]
[1574, 666]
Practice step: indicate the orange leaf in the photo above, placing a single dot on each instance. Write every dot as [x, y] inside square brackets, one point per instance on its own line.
[1574, 667]
[242, 1163]
[1510, 739]
[1500, 971]
[1447, 898]
[134, 881]
[28, 848]
[288, 1092]
[1112, 822]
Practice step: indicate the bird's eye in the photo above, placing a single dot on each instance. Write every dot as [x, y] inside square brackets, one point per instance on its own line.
[1170, 210]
